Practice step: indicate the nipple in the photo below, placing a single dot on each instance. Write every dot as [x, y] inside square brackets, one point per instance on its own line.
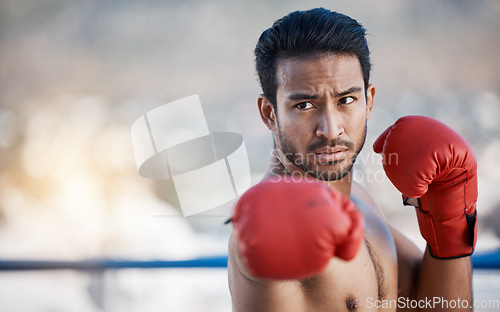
[351, 304]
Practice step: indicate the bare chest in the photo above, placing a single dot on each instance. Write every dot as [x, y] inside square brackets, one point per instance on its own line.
[356, 285]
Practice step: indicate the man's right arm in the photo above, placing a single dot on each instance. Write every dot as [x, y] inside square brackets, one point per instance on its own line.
[286, 231]
[250, 293]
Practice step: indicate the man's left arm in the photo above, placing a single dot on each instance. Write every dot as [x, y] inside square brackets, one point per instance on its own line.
[435, 170]
[429, 281]
[447, 283]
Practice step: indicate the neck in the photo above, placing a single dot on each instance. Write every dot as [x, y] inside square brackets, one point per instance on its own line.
[281, 166]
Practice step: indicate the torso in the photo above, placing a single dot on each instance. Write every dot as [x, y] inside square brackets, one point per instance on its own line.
[355, 285]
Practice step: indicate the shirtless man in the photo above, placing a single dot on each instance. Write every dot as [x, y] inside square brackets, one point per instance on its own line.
[314, 70]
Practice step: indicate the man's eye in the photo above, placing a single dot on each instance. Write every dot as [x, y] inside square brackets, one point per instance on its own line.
[346, 100]
[304, 105]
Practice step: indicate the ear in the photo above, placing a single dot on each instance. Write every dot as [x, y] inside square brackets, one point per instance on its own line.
[267, 113]
[370, 95]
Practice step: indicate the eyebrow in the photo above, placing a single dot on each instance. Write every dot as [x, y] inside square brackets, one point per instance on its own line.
[298, 96]
[348, 91]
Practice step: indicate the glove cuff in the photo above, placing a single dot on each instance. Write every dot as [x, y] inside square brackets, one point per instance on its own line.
[448, 237]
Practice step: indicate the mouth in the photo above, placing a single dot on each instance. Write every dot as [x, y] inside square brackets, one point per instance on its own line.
[331, 155]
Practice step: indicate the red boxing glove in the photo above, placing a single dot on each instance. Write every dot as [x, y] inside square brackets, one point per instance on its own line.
[291, 230]
[425, 159]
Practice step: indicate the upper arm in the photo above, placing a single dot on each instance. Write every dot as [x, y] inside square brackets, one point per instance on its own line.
[249, 293]
[409, 259]
[236, 268]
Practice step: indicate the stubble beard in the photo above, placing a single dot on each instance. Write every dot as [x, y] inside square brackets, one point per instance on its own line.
[302, 161]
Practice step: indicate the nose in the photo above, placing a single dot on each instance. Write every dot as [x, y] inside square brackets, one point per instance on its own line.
[330, 124]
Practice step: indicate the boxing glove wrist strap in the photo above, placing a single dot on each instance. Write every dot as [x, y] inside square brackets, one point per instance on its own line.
[448, 234]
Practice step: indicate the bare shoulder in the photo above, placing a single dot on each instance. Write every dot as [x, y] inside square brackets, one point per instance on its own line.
[376, 227]
[367, 204]
[359, 193]
[407, 253]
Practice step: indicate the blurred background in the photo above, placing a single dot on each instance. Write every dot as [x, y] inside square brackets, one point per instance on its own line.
[75, 75]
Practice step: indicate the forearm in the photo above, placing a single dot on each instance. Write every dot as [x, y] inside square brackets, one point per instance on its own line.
[447, 283]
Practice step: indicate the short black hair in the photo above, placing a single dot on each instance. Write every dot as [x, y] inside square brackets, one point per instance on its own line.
[309, 34]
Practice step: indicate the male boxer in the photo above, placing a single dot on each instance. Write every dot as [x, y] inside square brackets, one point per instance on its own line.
[298, 243]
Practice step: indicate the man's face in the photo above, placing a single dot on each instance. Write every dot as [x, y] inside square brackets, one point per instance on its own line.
[321, 114]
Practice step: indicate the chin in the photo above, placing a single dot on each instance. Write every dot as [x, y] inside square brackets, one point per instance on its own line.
[329, 175]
